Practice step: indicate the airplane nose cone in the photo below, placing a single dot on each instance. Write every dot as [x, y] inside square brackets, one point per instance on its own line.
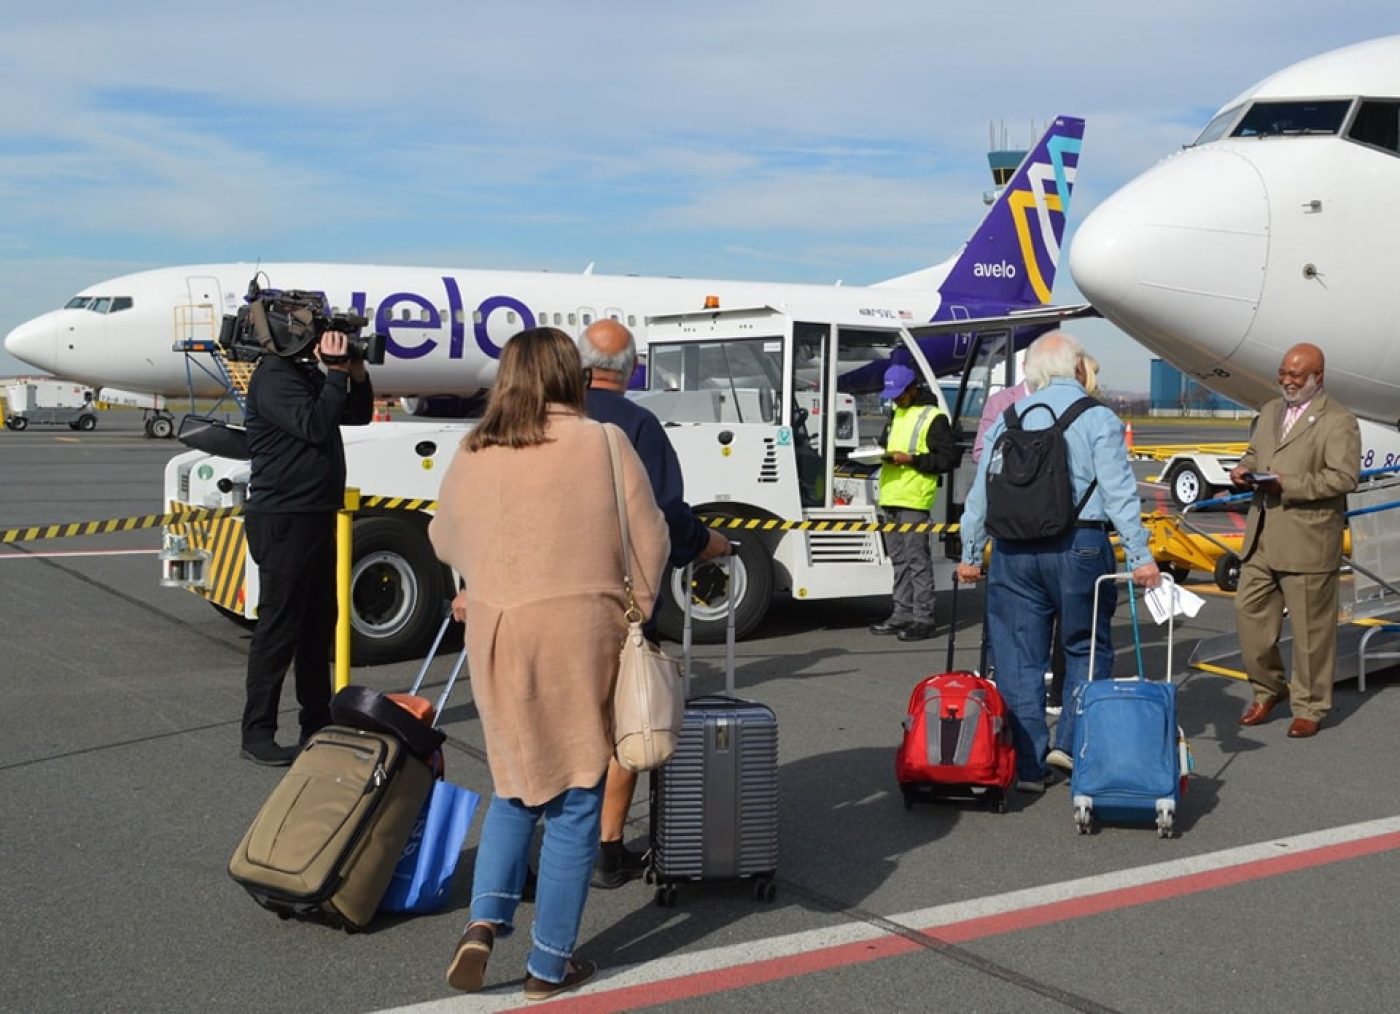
[1177, 257]
[35, 342]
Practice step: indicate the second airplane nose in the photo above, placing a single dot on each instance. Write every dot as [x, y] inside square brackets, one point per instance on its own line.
[35, 342]
[1178, 255]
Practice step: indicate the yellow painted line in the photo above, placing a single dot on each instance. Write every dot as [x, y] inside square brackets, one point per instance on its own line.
[1219, 670]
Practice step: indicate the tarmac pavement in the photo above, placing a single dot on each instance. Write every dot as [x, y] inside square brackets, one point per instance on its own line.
[124, 796]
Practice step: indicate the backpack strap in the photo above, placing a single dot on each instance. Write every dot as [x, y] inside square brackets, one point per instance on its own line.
[1063, 423]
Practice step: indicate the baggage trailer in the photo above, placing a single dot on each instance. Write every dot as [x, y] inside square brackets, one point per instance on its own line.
[49, 402]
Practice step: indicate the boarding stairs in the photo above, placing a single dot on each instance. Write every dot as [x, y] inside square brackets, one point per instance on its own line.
[196, 338]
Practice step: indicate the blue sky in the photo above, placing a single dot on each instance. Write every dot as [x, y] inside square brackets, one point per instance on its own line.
[792, 140]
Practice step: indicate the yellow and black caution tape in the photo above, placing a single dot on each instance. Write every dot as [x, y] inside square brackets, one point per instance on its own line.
[398, 503]
[111, 525]
[725, 521]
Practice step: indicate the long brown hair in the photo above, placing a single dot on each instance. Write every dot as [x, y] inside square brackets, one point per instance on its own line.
[540, 367]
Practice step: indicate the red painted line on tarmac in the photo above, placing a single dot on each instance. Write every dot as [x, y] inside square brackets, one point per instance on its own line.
[688, 987]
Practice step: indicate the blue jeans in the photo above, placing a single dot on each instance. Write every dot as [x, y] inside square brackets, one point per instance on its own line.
[571, 828]
[1028, 585]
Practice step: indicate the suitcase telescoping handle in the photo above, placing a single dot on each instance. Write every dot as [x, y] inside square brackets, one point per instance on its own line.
[727, 563]
[452, 677]
[1169, 584]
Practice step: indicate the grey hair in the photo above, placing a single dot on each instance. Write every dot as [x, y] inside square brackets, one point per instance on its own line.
[624, 361]
[1057, 354]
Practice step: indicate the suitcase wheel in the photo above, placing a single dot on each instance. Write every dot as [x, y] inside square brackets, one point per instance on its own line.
[764, 889]
[666, 896]
[1083, 814]
[1165, 815]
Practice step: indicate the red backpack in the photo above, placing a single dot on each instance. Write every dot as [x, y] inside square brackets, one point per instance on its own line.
[957, 742]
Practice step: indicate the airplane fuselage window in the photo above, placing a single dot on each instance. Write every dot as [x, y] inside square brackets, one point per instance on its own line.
[572, 320]
[631, 320]
[1293, 116]
[1377, 125]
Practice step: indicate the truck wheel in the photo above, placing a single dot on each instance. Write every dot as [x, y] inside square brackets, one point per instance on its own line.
[752, 584]
[1187, 485]
[87, 422]
[1227, 572]
[161, 427]
[18, 422]
[397, 591]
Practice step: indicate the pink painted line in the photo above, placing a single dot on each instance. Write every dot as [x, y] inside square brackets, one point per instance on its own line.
[79, 552]
[688, 987]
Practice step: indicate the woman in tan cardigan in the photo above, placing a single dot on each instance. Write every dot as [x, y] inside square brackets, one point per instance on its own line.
[527, 516]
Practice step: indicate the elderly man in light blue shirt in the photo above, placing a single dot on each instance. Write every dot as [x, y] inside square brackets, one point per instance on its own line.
[1033, 581]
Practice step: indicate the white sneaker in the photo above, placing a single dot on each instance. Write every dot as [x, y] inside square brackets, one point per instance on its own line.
[1060, 759]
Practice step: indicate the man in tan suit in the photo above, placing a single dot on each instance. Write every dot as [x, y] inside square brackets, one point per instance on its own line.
[1304, 459]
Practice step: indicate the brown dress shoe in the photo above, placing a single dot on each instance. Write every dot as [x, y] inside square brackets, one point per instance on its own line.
[467, 970]
[1302, 728]
[1258, 711]
[578, 971]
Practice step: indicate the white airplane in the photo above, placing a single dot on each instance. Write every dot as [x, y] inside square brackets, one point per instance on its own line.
[1280, 223]
[444, 327]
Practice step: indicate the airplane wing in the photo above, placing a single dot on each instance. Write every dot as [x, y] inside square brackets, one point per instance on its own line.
[1039, 317]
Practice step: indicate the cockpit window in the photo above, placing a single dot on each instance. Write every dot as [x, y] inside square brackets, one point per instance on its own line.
[99, 304]
[1377, 124]
[1293, 117]
[1218, 127]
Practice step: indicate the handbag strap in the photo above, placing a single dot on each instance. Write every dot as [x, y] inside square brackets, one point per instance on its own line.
[633, 614]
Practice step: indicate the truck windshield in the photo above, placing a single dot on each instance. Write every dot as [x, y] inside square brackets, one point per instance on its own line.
[736, 380]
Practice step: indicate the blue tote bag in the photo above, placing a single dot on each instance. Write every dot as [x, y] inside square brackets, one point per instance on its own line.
[423, 878]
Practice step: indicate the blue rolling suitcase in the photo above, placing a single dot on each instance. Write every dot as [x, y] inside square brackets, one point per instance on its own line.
[1130, 757]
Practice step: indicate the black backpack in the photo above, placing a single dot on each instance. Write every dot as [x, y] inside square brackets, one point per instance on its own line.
[1030, 495]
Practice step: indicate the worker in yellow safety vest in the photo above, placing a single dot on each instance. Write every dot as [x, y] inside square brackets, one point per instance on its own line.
[919, 447]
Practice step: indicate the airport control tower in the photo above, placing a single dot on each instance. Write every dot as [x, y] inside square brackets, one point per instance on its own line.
[1004, 161]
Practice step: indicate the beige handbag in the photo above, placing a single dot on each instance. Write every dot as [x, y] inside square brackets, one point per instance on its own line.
[649, 698]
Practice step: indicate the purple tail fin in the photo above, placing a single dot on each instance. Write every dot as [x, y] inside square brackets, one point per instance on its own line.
[1012, 256]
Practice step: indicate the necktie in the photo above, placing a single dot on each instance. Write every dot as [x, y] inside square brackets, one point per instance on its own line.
[1290, 417]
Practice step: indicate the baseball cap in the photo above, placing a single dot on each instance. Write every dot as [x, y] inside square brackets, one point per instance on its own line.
[897, 380]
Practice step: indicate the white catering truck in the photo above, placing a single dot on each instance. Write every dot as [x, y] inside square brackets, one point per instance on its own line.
[772, 417]
[47, 400]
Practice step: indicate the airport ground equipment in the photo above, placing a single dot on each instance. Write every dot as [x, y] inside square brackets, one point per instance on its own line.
[1130, 755]
[714, 804]
[1193, 472]
[49, 402]
[1179, 546]
[772, 417]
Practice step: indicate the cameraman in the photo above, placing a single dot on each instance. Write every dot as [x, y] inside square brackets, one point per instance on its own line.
[293, 412]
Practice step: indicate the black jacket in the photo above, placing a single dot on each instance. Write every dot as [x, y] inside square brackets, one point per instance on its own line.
[293, 414]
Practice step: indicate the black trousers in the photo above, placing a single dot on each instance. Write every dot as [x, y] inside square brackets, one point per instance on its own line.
[295, 554]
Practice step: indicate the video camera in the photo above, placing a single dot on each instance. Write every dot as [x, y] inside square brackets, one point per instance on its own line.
[289, 323]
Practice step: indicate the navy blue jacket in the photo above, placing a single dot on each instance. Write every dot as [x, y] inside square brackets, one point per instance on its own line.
[688, 533]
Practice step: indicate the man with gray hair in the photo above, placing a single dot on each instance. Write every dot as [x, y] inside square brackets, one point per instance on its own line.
[1033, 580]
[609, 355]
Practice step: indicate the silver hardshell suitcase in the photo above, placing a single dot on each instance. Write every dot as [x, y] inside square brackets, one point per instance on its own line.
[714, 804]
